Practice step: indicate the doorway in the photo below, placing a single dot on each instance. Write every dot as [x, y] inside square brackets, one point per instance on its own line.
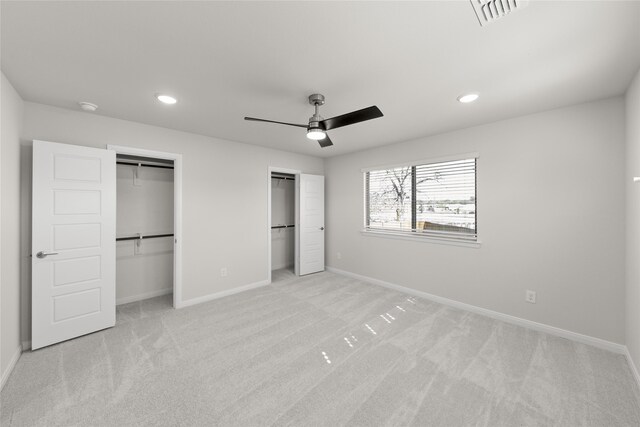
[73, 267]
[148, 225]
[283, 222]
[292, 194]
[282, 218]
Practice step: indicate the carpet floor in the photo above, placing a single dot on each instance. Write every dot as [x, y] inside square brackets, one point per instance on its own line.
[320, 350]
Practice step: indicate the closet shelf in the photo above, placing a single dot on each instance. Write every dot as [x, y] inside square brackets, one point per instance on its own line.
[282, 226]
[141, 237]
[145, 165]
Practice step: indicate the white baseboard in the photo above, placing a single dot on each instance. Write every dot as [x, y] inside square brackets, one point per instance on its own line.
[12, 364]
[632, 365]
[211, 297]
[141, 297]
[541, 327]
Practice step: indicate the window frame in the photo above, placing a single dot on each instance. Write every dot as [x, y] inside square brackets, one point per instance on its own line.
[412, 235]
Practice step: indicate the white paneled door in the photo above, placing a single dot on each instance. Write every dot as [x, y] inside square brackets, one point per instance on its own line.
[311, 223]
[73, 241]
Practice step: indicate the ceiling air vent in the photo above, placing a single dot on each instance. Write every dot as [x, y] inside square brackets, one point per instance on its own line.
[489, 11]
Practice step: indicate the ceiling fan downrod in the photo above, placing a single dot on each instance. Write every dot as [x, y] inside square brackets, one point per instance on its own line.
[314, 121]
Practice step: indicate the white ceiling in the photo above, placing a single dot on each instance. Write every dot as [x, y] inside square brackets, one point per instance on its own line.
[227, 60]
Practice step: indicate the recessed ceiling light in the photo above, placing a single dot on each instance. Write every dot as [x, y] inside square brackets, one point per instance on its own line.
[87, 106]
[468, 97]
[166, 99]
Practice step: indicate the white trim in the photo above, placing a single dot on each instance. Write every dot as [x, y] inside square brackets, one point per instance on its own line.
[177, 231]
[12, 364]
[632, 365]
[296, 230]
[177, 210]
[146, 295]
[441, 159]
[297, 173]
[121, 149]
[420, 237]
[541, 327]
[222, 294]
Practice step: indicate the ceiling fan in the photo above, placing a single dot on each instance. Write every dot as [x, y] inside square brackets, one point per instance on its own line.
[318, 126]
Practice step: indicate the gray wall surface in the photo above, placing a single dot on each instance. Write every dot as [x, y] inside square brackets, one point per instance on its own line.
[550, 218]
[11, 111]
[551, 197]
[633, 221]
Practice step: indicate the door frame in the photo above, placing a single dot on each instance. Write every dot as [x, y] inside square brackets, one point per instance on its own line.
[177, 209]
[297, 173]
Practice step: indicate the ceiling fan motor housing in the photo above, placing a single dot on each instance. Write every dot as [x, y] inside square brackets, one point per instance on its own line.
[315, 122]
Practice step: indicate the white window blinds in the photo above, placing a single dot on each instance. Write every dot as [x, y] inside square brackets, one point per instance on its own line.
[437, 199]
[388, 196]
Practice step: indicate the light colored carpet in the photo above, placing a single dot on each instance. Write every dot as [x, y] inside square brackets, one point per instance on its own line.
[318, 350]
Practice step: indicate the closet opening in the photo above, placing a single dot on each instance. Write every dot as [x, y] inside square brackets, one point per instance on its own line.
[282, 231]
[147, 226]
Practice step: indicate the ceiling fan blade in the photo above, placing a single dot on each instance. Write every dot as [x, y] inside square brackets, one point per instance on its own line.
[325, 142]
[368, 113]
[253, 119]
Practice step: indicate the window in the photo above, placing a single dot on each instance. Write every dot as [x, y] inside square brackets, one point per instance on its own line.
[430, 199]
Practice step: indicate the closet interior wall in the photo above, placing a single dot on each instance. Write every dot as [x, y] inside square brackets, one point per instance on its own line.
[145, 205]
[282, 221]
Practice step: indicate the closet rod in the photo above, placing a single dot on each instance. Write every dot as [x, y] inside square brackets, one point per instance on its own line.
[140, 237]
[286, 178]
[282, 226]
[143, 165]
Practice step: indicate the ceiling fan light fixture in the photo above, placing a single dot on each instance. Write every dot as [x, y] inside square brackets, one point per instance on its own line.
[316, 134]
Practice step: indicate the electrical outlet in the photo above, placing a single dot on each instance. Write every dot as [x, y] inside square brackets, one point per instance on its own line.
[223, 272]
[339, 255]
[530, 297]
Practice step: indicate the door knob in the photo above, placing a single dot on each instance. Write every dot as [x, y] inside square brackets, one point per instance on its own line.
[43, 254]
[321, 228]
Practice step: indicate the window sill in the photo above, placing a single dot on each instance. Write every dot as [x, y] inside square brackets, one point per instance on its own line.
[421, 238]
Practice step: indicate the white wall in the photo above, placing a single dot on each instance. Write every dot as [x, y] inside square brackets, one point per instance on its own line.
[633, 221]
[550, 218]
[224, 192]
[282, 212]
[559, 170]
[144, 268]
[11, 111]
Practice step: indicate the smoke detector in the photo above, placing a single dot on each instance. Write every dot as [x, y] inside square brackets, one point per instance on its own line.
[489, 11]
[87, 106]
